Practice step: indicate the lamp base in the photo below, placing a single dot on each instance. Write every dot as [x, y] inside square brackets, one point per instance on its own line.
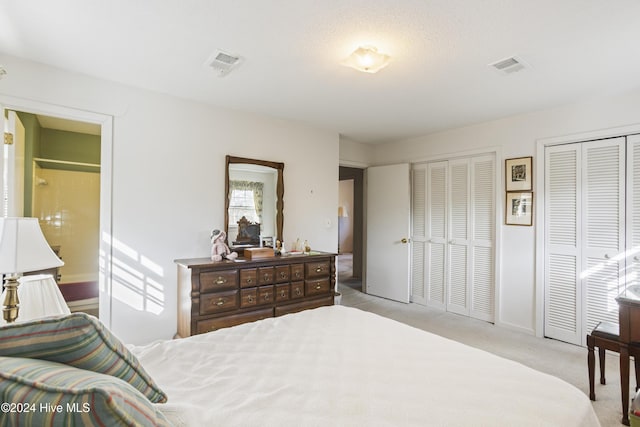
[11, 304]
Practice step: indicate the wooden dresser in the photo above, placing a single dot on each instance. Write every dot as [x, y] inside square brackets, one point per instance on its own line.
[214, 295]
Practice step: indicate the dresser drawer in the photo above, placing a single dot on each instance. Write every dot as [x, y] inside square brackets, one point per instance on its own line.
[282, 273]
[297, 272]
[211, 281]
[218, 302]
[209, 325]
[282, 292]
[316, 287]
[297, 290]
[265, 275]
[248, 277]
[248, 297]
[265, 295]
[317, 269]
[303, 305]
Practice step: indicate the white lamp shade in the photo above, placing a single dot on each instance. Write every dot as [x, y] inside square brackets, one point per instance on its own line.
[39, 297]
[23, 247]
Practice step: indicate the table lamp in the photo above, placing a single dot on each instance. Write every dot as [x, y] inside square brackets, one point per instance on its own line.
[23, 248]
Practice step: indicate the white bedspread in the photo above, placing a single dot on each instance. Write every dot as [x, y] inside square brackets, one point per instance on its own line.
[338, 366]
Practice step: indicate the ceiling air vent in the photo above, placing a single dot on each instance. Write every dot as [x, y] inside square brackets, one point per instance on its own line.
[508, 65]
[222, 62]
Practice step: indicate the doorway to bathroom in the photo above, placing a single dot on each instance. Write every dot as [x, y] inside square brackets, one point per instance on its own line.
[55, 177]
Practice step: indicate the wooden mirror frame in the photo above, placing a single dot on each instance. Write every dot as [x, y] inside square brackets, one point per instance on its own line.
[279, 167]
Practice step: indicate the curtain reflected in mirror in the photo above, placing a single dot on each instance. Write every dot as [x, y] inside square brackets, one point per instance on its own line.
[246, 197]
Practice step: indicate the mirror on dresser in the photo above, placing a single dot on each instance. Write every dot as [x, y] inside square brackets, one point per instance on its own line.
[254, 203]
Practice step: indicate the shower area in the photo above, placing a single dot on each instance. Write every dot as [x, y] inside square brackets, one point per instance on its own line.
[62, 190]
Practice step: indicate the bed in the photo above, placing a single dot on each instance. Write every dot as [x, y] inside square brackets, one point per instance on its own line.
[339, 366]
[333, 366]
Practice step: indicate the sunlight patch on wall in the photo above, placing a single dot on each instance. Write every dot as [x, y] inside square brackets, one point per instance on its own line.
[135, 278]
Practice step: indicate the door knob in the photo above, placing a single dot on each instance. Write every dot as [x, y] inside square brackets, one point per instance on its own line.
[606, 256]
[404, 240]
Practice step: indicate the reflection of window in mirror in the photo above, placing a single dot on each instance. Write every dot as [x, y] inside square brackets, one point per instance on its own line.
[245, 200]
[252, 194]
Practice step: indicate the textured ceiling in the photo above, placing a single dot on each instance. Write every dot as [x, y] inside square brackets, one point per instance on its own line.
[438, 78]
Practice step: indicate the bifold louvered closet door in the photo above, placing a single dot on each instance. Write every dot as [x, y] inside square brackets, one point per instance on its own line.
[585, 200]
[453, 220]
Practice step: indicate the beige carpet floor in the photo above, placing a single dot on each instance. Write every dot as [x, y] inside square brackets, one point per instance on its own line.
[565, 361]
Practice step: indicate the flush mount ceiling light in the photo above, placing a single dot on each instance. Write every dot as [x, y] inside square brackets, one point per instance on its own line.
[367, 59]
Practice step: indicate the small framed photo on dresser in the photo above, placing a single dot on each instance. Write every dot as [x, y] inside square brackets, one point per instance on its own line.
[518, 174]
[519, 208]
[266, 241]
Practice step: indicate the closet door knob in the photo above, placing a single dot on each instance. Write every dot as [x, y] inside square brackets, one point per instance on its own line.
[635, 258]
[606, 256]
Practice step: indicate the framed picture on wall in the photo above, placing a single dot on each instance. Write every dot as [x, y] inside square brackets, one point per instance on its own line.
[519, 208]
[519, 174]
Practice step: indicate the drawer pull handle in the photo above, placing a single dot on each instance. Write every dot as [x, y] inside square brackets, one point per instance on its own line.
[298, 292]
[221, 280]
[250, 299]
[282, 294]
[266, 297]
[283, 274]
[297, 274]
[318, 286]
[266, 277]
[249, 280]
[220, 303]
[318, 270]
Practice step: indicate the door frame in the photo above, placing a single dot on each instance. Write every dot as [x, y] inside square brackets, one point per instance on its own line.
[541, 145]
[106, 168]
[357, 174]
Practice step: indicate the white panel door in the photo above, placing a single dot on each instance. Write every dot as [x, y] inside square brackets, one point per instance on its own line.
[388, 228]
[562, 234]
[12, 165]
[4, 127]
[418, 234]
[15, 166]
[458, 272]
[585, 235]
[603, 219]
[482, 295]
[633, 211]
[456, 263]
[437, 233]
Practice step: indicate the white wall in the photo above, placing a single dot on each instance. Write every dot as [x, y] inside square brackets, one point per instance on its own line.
[517, 137]
[355, 154]
[168, 182]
